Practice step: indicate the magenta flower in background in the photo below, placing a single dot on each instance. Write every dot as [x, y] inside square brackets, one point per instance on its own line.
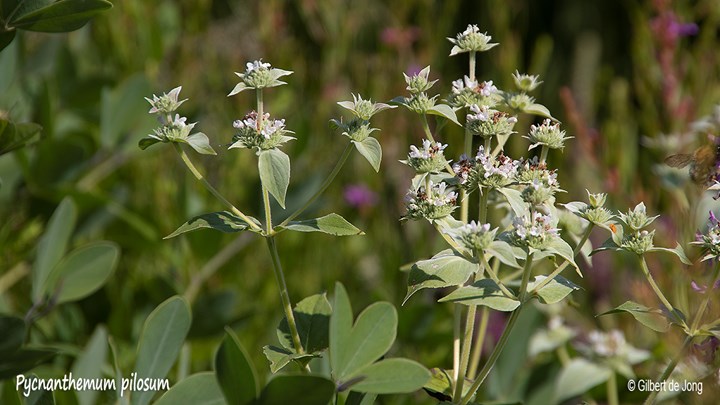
[360, 196]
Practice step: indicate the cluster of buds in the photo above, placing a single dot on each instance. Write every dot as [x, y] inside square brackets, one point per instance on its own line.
[432, 202]
[174, 129]
[526, 82]
[471, 40]
[535, 231]
[418, 84]
[259, 134]
[428, 159]
[594, 212]
[486, 122]
[541, 184]
[710, 240]
[547, 134]
[474, 236]
[259, 75]
[486, 170]
[638, 240]
[466, 92]
[358, 129]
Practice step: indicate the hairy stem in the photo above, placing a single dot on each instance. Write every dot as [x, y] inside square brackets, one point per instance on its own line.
[284, 296]
[656, 289]
[212, 189]
[562, 267]
[479, 343]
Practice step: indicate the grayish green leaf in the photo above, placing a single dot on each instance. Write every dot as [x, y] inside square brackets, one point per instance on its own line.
[578, 377]
[445, 111]
[445, 269]
[90, 363]
[371, 150]
[303, 389]
[482, 292]
[83, 271]
[332, 224]
[274, 167]
[197, 389]
[222, 221]
[200, 143]
[391, 376]
[652, 318]
[235, 373]
[554, 291]
[53, 244]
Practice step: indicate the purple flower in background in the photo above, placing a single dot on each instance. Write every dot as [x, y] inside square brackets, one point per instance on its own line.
[668, 28]
[360, 196]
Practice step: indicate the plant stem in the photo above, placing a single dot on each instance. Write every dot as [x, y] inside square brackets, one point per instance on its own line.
[526, 278]
[479, 343]
[560, 268]
[660, 295]
[212, 189]
[495, 278]
[457, 327]
[483, 206]
[612, 390]
[493, 356]
[465, 355]
[669, 369]
[324, 186]
[706, 301]
[543, 154]
[284, 296]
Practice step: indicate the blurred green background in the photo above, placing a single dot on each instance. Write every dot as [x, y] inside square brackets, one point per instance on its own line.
[625, 78]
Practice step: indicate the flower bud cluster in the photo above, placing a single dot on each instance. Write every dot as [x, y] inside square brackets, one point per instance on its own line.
[428, 159]
[547, 134]
[710, 240]
[466, 92]
[535, 230]
[432, 202]
[485, 170]
[525, 82]
[638, 240]
[486, 122]
[474, 236]
[174, 130]
[540, 182]
[259, 134]
[471, 40]
[165, 104]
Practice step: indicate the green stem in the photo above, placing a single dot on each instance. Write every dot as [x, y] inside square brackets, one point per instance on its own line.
[472, 64]
[660, 295]
[488, 144]
[493, 356]
[563, 355]
[543, 154]
[562, 267]
[483, 206]
[612, 390]
[457, 327]
[527, 270]
[212, 189]
[706, 301]
[669, 369]
[284, 296]
[495, 278]
[479, 343]
[338, 166]
[465, 355]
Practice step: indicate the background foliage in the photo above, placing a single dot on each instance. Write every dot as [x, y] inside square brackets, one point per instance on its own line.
[618, 81]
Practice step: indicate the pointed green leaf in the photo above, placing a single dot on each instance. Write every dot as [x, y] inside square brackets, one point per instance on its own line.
[14, 136]
[274, 167]
[200, 143]
[547, 340]
[578, 377]
[23, 360]
[83, 271]
[370, 338]
[53, 244]
[303, 389]
[504, 252]
[41, 396]
[238, 87]
[61, 16]
[539, 109]
[372, 151]
[358, 398]
[678, 251]
[90, 364]
[399, 100]
[280, 357]
[6, 38]
[561, 248]
[332, 224]
[147, 142]
[312, 317]
[482, 292]
[13, 333]
[652, 318]
[222, 221]
[391, 376]
[445, 269]
[341, 322]
[446, 111]
[555, 291]
[235, 372]
[162, 336]
[200, 389]
[514, 198]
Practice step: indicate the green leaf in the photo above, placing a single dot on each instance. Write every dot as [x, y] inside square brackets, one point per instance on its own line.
[83, 271]
[274, 167]
[554, 291]
[53, 244]
[222, 221]
[341, 322]
[40, 396]
[561, 248]
[446, 111]
[297, 389]
[440, 384]
[238, 87]
[652, 318]
[445, 269]
[504, 252]
[147, 142]
[6, 38]
[547, 340]
[514, 198]
[200, 389]
[200, 143]
[372, 151]
[358, 398]
[90, 363]
[61, 16]
[280, 357]
[13, 333]
[312, 317]
[370, 338]
[14, 136]
[162, 336]
[578, 377]
[678, 251]
[391, 376]
[235, 372]
[482, 292]
[23, 360]
[538, 109]
[9, 396]
[332, 224]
